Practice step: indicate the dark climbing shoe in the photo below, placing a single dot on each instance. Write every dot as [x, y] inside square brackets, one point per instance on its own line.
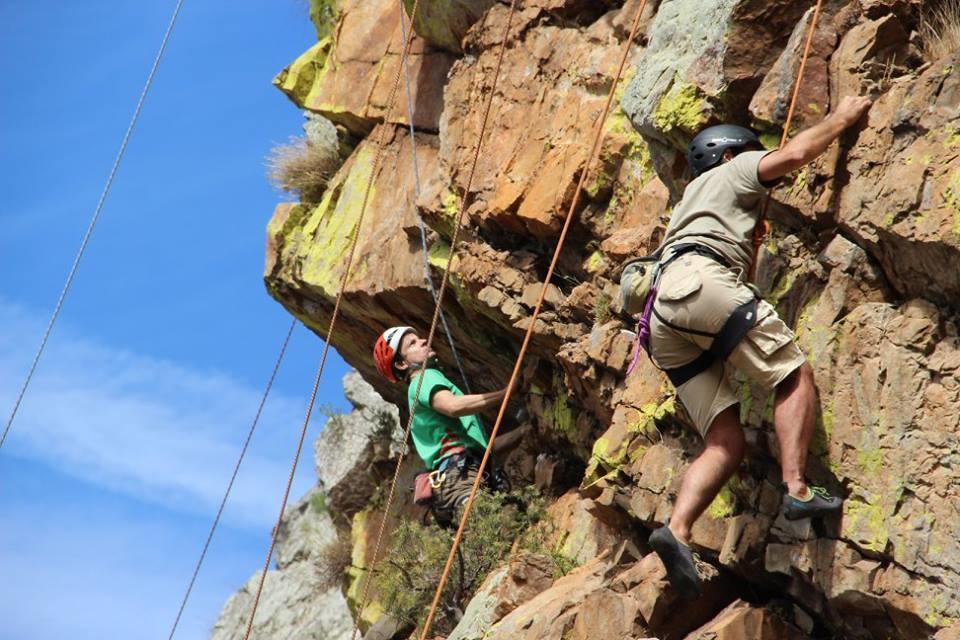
[818, 503]
[678, 559]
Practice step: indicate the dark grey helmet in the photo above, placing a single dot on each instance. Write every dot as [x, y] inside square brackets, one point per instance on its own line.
[707, 147]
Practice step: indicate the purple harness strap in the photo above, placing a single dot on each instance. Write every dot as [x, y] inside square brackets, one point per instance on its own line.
[643, 330]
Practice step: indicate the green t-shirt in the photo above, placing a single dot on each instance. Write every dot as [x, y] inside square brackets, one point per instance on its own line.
[435, 435]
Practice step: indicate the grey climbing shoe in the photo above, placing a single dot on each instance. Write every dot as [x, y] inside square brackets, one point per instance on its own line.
[678, 559]
[818, 503]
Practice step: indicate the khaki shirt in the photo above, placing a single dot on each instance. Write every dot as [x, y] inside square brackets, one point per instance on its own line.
[720, 208]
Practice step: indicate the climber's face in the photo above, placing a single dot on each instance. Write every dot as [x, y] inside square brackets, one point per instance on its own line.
[413, 352]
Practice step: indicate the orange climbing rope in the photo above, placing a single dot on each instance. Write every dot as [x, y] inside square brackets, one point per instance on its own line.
[333, 321]
[532, 323]
[762, 227]
[439, 300]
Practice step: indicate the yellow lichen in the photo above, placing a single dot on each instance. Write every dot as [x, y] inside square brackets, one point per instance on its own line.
[684, 107]
[866, 524]
[725, 504]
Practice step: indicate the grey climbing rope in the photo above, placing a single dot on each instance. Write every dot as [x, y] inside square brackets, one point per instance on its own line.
[428, 277]
[93, 222]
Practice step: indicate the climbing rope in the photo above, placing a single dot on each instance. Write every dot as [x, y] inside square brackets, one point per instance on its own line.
[93, 221]
[236, 470]
[762, 227]
[428, 277]
[439, 301]
[333, 321]
[532, 323]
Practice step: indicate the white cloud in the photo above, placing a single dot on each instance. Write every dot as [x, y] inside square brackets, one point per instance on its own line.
[90, 565]
[151, 429]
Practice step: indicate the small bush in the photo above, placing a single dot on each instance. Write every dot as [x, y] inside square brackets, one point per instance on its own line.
[318, 501]
[408, 576]
[601, 309]
[332, 563]
[323, 14]
[940, 29]
[302, 168]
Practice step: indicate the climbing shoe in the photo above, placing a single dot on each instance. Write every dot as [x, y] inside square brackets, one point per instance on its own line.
[678, 559]
[818, 503]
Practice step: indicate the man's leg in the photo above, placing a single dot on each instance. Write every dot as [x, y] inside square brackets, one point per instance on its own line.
[703, 480]
[723, 451]
[793, 417]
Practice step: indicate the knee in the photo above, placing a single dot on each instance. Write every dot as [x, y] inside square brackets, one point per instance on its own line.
[725, 436]
[800, 379]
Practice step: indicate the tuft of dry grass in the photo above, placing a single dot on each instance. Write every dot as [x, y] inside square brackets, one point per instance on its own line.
[940, 29]
[332, 563]
[302, 168]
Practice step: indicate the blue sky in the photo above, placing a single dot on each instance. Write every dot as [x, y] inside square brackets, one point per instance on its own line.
[126, 439]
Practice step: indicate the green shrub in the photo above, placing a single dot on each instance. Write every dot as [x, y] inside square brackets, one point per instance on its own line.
[408, 576]
[601, 309]
[323, 15]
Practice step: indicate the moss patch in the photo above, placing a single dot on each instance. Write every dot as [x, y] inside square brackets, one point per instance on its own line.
[324, 16]
[439, 255]
[560, 412]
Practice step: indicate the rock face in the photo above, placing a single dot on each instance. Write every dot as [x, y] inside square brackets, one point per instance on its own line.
[301, 599]
[863, 263]
[351, 447]
[295, 603]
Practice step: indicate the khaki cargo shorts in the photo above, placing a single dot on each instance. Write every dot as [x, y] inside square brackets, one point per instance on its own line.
[696, 295]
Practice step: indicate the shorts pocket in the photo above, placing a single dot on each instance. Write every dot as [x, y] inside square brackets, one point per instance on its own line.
[683, 287]
[770, 334]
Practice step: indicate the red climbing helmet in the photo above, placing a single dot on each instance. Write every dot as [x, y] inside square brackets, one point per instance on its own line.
[386, 349]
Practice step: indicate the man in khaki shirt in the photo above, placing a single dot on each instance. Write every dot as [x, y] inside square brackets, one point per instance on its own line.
[704, 263]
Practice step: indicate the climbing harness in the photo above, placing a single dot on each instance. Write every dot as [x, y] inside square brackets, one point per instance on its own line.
[736, 326]
[93, 220]
[533, 318]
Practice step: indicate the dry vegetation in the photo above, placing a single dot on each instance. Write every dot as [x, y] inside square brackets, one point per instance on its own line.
[940, 29]
[333, 562]
[302, 168]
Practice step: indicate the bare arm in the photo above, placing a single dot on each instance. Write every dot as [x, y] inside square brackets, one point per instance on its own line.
[811, 142]
[452, 406]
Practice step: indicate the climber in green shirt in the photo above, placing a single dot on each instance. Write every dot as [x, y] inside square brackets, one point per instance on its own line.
[446, 431]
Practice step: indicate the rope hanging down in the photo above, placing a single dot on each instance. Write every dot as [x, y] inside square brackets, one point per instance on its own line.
[443, 288]
[423, 228]
[762, 227]
[532, 323]
[236, 470]
[333, 322]
[93, 221]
